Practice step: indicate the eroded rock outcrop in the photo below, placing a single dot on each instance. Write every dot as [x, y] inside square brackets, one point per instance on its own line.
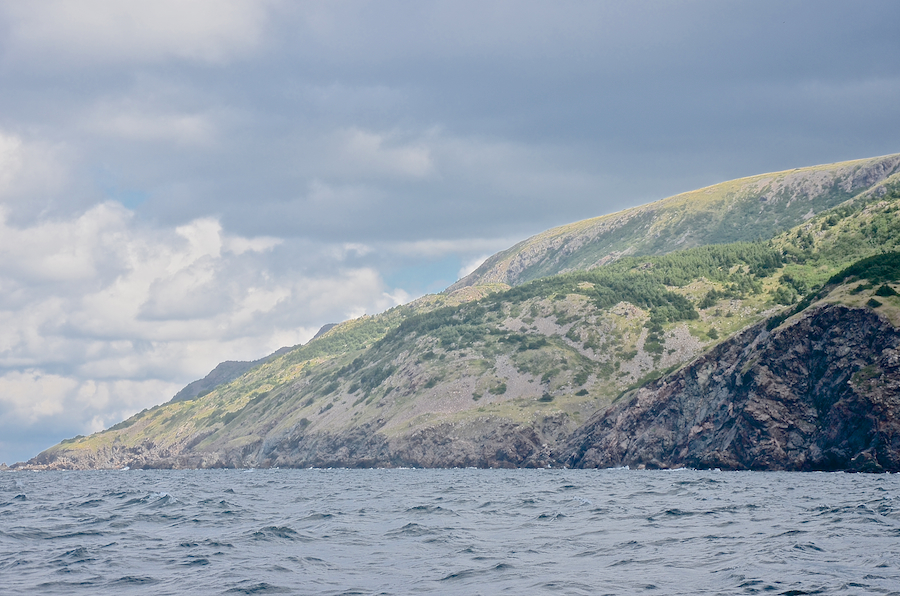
[486, 443]
[821, 392]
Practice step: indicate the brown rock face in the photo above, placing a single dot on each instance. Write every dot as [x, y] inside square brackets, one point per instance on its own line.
[485, 444]
[818, 393]
[488, 443]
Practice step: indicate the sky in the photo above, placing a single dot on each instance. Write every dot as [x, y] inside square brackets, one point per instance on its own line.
[183, 183]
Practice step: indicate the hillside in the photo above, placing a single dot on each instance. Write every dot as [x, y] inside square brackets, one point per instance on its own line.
[746, 209]
[500, 376]
[818, 390]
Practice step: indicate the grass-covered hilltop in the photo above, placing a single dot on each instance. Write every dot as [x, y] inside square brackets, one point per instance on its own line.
[748, 325]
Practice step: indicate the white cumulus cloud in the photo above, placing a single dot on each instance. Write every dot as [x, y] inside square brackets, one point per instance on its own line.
[103, 315]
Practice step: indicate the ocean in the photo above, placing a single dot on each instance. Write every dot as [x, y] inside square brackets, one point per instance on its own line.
[461, 531]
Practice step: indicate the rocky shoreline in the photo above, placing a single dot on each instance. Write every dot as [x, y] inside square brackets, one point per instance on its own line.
[820, 392]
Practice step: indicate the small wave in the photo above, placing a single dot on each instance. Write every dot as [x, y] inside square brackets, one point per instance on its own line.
[91, 503]
[75, 557]
[429, 509]
[679, 512]
[154, 500]
[310, 560]
[791, 533]
[551, 516]
[73, 535]
[132, 580]
[317, 517]
[476, 572]
[411, 529]
[260, 588]
[220, 504]
[270, 532]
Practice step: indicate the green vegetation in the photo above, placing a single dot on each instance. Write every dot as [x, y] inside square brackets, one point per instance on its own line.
[885, 290]
[499, 389]
[877, 269]
[567, 344]
[748, 209]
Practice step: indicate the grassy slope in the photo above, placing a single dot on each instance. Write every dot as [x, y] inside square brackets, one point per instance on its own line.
[746, 209]
[559, 347]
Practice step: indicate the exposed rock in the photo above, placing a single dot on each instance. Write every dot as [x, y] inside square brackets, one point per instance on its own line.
[819, 393]
[224, 372]
[490, 443]
[324, 329]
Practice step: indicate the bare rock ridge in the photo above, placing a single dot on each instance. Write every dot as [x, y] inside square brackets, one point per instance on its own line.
[820, 393]
[227, 371]
[324, 329]
[224, 372]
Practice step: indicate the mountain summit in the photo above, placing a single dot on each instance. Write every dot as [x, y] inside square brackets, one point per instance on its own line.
[745, 209]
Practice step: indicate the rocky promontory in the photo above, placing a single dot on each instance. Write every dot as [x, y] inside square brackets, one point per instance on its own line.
[818, 393]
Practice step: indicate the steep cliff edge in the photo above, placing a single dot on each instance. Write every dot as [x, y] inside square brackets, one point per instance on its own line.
[820, 392]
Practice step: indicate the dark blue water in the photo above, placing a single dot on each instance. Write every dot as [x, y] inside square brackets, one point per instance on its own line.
[448, 532]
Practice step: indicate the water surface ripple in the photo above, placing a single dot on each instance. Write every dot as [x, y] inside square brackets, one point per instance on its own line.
[330, 532]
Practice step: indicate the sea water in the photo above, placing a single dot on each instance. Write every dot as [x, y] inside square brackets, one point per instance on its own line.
[410, 531]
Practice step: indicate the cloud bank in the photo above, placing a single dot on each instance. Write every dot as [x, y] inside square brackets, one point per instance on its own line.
[104, 316]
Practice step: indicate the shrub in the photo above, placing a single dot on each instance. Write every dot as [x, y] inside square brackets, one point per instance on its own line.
[783, 296]
[498, 390]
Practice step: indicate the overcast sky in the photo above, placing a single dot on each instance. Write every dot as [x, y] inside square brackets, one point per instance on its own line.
[183, 183]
